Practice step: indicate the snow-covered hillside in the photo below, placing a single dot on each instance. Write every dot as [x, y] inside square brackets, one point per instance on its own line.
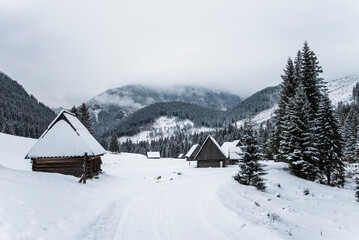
[339, 90]
[137, 198]
[165, 127]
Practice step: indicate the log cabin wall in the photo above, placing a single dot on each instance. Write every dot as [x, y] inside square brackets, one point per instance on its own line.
[208, 163]
[69, 166]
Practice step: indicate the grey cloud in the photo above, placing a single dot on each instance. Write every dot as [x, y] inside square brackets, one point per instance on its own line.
[66, 52]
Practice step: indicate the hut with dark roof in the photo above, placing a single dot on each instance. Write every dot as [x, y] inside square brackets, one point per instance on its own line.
[67, 147]
[211, 154]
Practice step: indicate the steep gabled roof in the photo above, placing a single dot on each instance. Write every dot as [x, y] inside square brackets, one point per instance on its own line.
[232, 149]
[193, 148]
[66, 136]
[238, 143]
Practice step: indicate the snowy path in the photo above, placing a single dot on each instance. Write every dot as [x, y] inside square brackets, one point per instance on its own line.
[186, 207]
[160, 211]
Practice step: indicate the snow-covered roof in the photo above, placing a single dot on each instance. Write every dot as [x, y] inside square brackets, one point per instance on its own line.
[180, 155]
[66, 136]
[189, 153]
[153, 155]
[231, 150]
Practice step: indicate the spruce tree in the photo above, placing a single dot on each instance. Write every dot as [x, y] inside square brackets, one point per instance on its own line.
[74, 111]
[310, 79]
[251, 171]
[297, 144]
[298, 127]
[85, 117]
[288, 87]
[357, 189]
[8, 129]
[331, 164]
[113, 144]
[351, 135]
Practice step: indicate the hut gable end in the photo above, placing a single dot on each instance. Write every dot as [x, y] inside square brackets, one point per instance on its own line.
[210, 151]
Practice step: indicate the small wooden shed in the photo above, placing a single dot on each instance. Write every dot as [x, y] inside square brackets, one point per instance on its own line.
[153, 155]
[193, 152]
[211, 154]
[64, 146]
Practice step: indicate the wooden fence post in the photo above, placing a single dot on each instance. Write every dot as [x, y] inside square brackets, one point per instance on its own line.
[84, 175]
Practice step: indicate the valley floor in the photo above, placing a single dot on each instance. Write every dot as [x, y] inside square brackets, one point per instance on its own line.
[137, 198]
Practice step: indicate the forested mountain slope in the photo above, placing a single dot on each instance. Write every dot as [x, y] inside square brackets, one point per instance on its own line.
[110, 107]
[20, 113]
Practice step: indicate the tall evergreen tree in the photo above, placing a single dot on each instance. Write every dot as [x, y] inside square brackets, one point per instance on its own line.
[297, 145]
[357, 189]
[85, 117]
[74, 111]
[288, 87]
[312, 83]
[251, 171]
[351, 135]
[299, 128]
[298, 67]
[8, 129]
[331, 164]
[113, 144]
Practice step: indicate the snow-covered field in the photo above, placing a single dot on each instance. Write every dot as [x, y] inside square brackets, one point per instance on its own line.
[130, 201]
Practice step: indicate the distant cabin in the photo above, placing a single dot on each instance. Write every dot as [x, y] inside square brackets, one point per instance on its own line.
[192, 152]
[233, 151]
[62, 147]
[211, 154]
[153, 155]
[181, 156]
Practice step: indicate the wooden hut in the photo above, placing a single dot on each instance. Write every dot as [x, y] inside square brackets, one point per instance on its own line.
[211, 154]
[153, 155]
[192, 152]
[66, 147]
[233, 151]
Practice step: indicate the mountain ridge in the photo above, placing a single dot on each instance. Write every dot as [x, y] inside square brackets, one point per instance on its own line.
[261, 105]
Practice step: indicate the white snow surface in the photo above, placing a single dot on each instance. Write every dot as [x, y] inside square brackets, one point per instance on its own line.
[165, 199]
[62, 139]
[341, 90]
[260, 117]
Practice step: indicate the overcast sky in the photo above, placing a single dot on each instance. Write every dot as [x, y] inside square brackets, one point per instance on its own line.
[66, 52]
